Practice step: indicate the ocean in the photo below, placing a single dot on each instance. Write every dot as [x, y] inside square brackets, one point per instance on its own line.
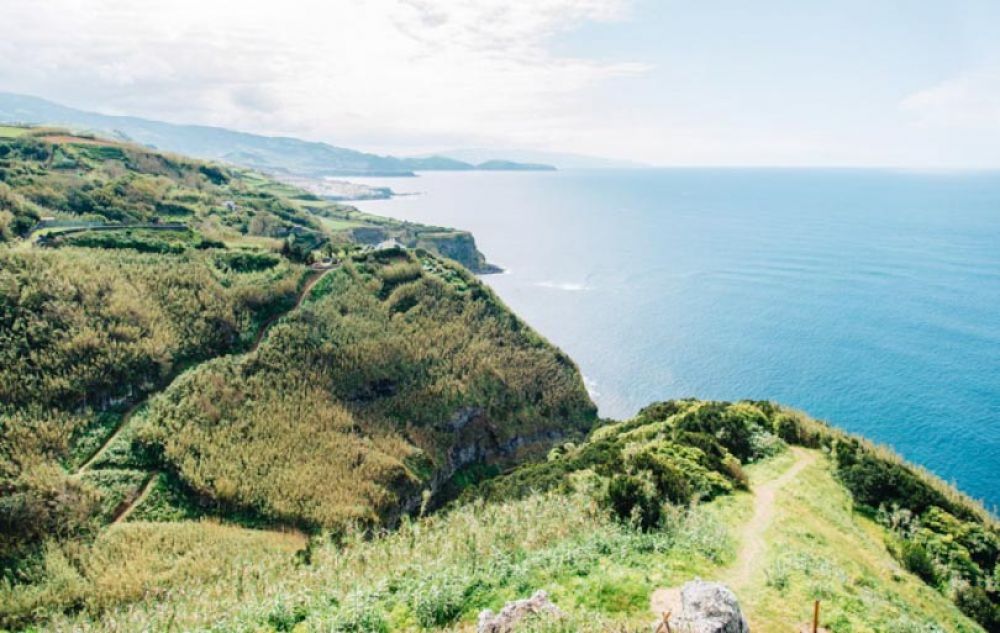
[868, 298]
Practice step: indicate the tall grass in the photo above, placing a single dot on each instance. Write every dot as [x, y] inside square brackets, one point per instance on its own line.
[431, 573]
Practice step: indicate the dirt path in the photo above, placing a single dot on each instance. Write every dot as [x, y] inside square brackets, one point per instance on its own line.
[107, 441]
[318, 273]
[751, 536]
[139, 498]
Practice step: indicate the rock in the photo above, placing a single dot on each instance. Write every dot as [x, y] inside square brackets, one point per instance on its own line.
[513, 612]
[709, 607]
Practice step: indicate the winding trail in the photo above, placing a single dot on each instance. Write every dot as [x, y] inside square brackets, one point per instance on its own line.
[753, 545]
[306, 289]
[123, 512]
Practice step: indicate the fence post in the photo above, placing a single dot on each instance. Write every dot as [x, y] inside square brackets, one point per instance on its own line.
[815, 617]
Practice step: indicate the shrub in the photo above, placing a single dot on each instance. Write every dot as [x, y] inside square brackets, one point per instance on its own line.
[395, 274]
[787, 427]
[669, 480]
[631, 500]
[764, 444]
[733, 427]
[216, 175]
[873, 481]
[734, 470]
[246, 261]
[915, 557]
[975, 603]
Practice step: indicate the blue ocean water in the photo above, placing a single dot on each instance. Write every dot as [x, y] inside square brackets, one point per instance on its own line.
[869, 298]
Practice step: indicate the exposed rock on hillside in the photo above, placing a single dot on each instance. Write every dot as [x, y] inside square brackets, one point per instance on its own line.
[514, 612]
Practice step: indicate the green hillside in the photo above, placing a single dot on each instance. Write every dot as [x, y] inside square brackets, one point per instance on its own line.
[221, 410]
[787, 534]
[54, 185]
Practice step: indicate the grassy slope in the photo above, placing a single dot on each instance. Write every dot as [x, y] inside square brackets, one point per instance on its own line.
[48, 172]
[437, 573]
[89, 331]
[819, 548]
[359, 385]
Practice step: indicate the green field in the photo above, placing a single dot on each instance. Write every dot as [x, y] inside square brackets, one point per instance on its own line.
[12, 131]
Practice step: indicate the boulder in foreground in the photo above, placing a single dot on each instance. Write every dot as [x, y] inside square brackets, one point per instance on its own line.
[709, 607]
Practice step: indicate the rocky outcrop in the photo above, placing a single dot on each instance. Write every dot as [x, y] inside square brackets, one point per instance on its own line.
[475, 441]
[459, 246]
[514, 612]
[708, 607]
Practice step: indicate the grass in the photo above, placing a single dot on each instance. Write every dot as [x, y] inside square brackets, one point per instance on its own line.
[433, 573]
[340, 225]
[12, 131]
[437, 573]
[818, 548]
[89, 438]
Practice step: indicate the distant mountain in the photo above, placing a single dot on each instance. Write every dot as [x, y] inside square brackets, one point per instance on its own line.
[559, 160]
[278, 155]
[507, 165]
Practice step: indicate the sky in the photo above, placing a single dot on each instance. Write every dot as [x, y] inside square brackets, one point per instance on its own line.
[908, 83]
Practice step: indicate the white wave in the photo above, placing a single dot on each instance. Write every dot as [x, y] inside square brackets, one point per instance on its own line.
[563, 285]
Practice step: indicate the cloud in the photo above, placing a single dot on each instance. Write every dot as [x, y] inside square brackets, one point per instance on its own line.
[391, 71]
[968, 101]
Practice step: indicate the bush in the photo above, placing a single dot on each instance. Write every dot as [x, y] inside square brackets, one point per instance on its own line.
[246, 261]
[873, 481]
[764, 444]
[669, 480]
[787, 427]
[216, 175]
[732, 425]
[975, 603]
[915, 557]
[631, 500]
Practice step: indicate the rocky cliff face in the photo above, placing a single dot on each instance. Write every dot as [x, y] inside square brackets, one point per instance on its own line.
[459, 246]
[475, 442]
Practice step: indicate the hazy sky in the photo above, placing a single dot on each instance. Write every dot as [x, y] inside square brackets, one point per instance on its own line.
[792, 82]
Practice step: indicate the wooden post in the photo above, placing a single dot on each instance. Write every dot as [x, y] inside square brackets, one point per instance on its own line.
[664, 625]
[815, 617]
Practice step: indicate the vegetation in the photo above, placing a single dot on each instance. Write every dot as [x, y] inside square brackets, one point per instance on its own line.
[53, 181]
[169, 241]
[84, 334]
[437, 572]
[363, 385]
[681, 449]
[199, 432]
